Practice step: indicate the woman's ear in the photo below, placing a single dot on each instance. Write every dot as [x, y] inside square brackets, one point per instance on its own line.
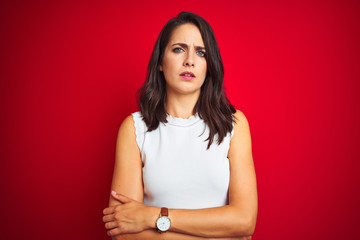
[160, 68]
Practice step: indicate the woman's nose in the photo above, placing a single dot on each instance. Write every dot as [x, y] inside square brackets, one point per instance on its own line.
[189, 60]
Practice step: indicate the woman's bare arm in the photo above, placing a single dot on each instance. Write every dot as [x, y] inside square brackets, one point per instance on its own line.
[127, 180]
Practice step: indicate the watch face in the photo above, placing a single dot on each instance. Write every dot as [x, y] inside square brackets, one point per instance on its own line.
[163, 223]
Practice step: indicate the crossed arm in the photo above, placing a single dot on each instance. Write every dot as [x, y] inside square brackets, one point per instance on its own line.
[127, 218]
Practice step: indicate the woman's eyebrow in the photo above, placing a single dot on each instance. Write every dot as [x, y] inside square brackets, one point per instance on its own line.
[184, 45]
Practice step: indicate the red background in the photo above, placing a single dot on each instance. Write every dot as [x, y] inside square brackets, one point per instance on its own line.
[69, 73]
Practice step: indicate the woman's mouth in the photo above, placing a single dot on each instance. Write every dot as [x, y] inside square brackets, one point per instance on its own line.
[187, 75]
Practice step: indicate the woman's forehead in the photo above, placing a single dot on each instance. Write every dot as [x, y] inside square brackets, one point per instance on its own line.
[188, 34]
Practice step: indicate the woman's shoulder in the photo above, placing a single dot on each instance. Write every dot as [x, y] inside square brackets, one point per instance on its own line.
[133, 127]
[239, 117]
[241, 141]
[130, 121]
[241, 123]
[127, 127]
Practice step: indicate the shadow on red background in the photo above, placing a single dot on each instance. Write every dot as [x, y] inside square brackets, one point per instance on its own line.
[69, 73]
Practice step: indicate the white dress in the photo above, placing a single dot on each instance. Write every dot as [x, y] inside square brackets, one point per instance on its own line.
[178, 169]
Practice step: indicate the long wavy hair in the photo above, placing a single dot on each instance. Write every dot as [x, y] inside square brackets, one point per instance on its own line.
[212, 106]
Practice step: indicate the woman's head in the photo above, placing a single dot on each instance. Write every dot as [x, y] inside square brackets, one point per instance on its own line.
[215, 69]
[212, 105]
[183, 64]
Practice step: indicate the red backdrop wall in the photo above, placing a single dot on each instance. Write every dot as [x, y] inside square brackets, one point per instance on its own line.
[70, 71]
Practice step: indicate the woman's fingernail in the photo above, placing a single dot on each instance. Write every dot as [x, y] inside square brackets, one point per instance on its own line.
[113, 192]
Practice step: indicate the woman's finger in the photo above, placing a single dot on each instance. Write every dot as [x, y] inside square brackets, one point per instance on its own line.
[120, 197]
[114, 232]
[109, 210]
[109, 218]
[111, 225]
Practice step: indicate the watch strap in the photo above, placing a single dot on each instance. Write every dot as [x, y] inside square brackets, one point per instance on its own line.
[164, 212]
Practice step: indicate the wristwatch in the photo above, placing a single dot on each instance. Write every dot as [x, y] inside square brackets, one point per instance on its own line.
[163, 222]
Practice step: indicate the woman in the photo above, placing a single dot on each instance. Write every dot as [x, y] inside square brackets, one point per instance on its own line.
[184, 167]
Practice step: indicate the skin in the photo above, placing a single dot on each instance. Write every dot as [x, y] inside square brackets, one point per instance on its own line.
[184, 52]
[128, 218]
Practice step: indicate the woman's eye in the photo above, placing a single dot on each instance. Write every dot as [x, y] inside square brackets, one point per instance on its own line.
[178, 50]
[201, 53]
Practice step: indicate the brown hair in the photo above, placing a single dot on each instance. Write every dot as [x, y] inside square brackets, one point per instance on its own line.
[212, 106]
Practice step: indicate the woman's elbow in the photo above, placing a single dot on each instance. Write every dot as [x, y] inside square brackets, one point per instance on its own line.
[251, 227]
[245, 227]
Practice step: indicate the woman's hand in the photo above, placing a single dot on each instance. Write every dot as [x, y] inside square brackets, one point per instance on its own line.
[129, 216]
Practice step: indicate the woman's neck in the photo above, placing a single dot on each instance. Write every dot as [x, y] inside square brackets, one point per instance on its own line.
[180, 105]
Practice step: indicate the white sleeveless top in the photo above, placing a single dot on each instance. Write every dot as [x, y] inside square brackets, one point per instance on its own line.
[178, 169]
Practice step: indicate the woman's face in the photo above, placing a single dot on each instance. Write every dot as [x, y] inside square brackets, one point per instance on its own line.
[184, 63]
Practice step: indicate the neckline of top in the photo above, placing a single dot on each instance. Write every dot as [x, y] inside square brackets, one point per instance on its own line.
[182, 121]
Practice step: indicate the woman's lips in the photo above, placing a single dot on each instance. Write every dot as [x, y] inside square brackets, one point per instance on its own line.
[187, 75]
